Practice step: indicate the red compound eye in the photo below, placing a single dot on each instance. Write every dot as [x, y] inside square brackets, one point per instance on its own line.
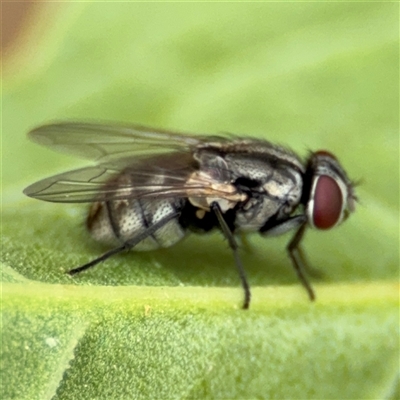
[328, 202]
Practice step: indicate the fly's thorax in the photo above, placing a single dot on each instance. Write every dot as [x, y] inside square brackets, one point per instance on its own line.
[276, 197]
[119, 221]
[255, 148]
[259, 185]
[272, 180]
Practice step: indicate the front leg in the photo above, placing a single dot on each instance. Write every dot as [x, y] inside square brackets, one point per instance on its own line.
[299, 263]
[298, 260]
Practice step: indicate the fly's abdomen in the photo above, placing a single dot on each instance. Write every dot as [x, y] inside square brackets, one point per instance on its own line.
[118, 221]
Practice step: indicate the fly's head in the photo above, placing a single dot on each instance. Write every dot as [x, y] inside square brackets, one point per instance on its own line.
[329, 193]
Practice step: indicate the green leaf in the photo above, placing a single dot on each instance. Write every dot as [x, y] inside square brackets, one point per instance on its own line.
[168, 324]
[146, 342]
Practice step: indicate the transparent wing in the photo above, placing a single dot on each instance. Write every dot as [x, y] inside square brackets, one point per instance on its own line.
[107, 142]
[80, 185]
[160, 176]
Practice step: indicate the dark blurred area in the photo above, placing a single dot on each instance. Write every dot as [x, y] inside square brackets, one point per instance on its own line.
[14, 18]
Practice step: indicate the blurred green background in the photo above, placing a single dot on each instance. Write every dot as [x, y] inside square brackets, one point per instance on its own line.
[306, 75]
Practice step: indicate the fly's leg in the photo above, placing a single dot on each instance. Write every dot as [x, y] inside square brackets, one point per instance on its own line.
[233, 245]
[297, 256]
[127, 245]
[309, 269]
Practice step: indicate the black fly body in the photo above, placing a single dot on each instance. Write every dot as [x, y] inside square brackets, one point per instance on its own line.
[149, 188]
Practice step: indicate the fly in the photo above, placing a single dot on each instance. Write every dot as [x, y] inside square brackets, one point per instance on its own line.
[149, 188]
